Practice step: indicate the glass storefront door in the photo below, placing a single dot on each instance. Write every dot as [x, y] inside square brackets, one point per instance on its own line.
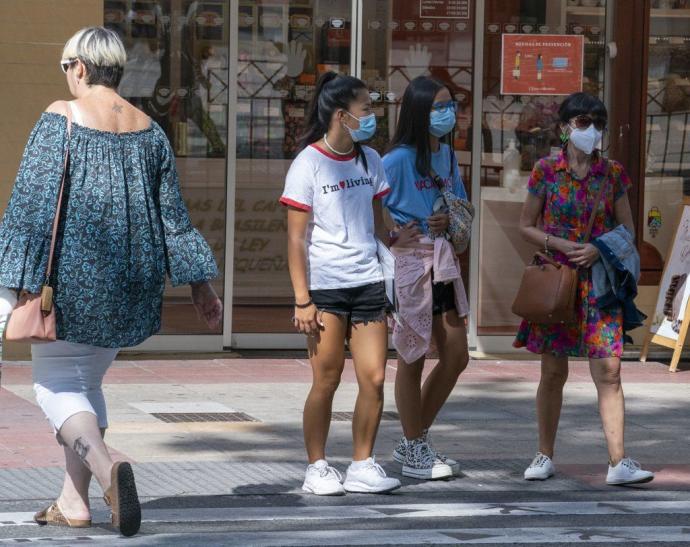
[402, 40]
[177, 72]
[667, 160]
[518, 126]
[283, 48]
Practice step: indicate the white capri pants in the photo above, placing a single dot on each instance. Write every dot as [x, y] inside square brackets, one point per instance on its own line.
[68, 379]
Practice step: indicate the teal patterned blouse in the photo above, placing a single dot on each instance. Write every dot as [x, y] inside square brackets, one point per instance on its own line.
[123, 227]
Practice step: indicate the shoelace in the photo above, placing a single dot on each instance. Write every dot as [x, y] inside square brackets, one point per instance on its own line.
[376, 467]
[631, 464]
[422, 453]
[539, 460]
[328, 470]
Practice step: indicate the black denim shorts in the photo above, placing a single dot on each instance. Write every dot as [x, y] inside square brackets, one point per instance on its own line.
[359, 304]
[443, 298]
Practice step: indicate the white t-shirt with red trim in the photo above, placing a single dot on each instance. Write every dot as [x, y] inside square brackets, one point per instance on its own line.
[341, 247]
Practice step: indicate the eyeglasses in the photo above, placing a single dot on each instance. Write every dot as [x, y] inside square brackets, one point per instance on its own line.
[583, 121]
[66, 64]
[442, 107]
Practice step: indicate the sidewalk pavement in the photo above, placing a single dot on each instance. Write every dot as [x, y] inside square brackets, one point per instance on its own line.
[172, 419]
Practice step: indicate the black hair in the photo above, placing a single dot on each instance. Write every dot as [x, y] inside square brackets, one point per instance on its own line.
[333, 91]
[413, 121]
[579, 104]
[108, 76]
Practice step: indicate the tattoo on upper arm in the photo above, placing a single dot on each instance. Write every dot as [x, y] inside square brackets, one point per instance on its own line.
[81, 448]
[117, 108]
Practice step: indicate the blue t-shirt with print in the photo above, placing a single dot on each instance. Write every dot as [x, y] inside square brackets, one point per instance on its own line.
[412, 196]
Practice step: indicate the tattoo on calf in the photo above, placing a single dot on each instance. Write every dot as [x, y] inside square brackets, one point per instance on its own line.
[117, 108]
[82, 449]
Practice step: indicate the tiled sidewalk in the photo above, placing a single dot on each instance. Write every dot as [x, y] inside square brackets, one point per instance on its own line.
[488, 424]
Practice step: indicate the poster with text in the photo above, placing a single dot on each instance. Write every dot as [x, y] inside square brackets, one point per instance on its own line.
[444, 9]
[674, 288]
[545, 64]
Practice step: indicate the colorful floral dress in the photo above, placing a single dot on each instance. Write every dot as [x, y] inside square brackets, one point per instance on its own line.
[567, 204]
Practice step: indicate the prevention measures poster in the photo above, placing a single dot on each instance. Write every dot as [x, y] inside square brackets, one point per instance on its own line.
[543, 64]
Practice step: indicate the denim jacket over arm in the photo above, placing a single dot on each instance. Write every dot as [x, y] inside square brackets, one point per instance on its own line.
[615, 276]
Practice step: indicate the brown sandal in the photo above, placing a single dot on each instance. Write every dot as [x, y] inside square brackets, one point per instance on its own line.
[123, 499]
[53, 516]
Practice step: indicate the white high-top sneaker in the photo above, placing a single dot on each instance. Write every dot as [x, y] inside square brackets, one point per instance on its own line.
[323, 480]
[368, 477]
[628, 471]
[421, 462]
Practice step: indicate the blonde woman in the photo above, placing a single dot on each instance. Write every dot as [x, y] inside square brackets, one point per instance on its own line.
[123, 226]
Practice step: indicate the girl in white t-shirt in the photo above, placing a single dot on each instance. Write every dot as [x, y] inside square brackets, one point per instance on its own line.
[432, 303]
[332, 192]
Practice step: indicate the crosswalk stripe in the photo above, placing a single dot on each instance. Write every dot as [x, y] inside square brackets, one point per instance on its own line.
[450, 536]
[388, 511]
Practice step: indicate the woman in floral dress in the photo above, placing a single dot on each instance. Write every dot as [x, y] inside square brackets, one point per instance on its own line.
[562, 192]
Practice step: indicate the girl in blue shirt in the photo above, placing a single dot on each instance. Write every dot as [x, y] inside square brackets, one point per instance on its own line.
[420, 149]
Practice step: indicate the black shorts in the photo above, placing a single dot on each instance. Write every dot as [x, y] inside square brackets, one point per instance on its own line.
[443, 298]
[359, 304]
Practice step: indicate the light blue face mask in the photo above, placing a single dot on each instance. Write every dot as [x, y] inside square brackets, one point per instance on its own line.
[441, 123]
[367, 128]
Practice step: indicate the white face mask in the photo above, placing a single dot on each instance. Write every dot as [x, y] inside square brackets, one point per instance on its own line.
[586, 140]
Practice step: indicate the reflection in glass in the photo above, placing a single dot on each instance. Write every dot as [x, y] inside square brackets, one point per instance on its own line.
[517, 130]
[177, 72]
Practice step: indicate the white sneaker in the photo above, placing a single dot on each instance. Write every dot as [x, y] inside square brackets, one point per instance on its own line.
[442, 458]
[421, 463]
[368, 477]
[540, 469]
[628, 472]
[323, 480]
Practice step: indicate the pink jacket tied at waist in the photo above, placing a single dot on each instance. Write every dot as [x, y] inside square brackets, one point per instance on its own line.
[413, 280]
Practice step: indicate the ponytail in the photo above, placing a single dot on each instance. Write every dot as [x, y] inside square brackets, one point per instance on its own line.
[332, 92]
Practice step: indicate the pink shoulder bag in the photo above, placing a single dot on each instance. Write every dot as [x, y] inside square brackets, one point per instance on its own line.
[33, 319]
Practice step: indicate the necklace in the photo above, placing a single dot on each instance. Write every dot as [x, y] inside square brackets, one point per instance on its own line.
[334, 150]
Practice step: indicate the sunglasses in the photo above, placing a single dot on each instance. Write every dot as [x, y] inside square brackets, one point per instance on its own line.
[583, 121]
[66, 64]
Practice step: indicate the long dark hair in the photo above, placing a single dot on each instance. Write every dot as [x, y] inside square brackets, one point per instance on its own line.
[333, 91]
[413, 121]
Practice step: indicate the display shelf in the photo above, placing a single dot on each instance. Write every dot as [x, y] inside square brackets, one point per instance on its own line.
[671, 13]
[658, 13]
[586, 11]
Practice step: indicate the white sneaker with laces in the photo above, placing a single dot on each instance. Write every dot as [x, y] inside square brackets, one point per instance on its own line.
[540, 469]
[368, 477]
[442, 458]
[421, 462]
[628, 471]
[323, 480]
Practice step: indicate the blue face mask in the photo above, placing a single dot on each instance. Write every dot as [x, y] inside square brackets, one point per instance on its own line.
[441, 123]
[367, 128]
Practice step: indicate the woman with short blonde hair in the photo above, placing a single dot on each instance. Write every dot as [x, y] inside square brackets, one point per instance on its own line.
[122, 227]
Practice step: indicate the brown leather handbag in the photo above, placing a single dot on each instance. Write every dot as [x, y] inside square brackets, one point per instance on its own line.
[33, 319]
[548, 290]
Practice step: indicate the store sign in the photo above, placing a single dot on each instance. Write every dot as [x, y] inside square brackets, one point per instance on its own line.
[444, 9]
[546, 64]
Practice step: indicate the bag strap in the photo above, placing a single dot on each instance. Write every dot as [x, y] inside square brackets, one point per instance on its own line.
[600, 194]
[56, 218]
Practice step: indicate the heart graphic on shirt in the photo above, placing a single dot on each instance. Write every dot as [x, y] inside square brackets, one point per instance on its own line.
[342, 184]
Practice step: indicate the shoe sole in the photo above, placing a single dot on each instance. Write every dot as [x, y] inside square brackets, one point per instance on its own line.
[413, 473]
[360, 488]
[309, 490]
[539, 478]
[125, 501]
[624, 483]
